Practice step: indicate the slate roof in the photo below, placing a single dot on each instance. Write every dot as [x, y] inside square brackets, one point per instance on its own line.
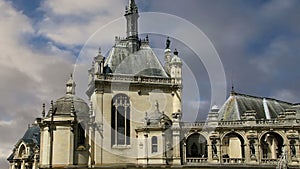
[31, 137]
[63, 106]
[143, 62]
[266, 108]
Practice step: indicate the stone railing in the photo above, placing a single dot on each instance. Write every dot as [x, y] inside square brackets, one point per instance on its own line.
[269, 161]
[196, 160]
[193, 124]
[231, 123]
[268, 122]
[136, 79]
[233, 160]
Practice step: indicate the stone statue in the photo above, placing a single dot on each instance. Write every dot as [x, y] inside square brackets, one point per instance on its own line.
[168, 43]
[293, 150]
[214, 148]
[252, 148]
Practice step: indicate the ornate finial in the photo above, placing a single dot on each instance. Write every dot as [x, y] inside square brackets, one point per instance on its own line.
[72, 107]
[93, 64]
[91, 109]
[43, 112]
[232, 89]
[168, 43]
[131, 8]
[71, 86]
[99, 51]
[156, 105]
[51, 107]
[176, 52]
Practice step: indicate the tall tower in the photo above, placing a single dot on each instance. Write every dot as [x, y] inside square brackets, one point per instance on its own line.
[132, 16]
[128, 85]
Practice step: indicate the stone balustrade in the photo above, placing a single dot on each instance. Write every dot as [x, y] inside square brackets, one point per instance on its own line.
[196, 160]
[269, 161]
[233, 160]
[241, 123]
[136, 79]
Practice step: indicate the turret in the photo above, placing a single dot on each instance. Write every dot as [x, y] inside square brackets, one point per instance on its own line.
[176, 68]
[132, 16]
[99, 63]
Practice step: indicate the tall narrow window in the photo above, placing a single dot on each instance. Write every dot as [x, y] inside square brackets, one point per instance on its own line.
[154, 144]
[80, 135]
[120, 120]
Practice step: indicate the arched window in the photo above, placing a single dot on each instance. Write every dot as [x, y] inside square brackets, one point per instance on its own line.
[154, 144]
[22, 151]
[120, 120]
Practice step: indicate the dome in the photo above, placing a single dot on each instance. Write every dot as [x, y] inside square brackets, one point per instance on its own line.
[176, 59]
[65, 105]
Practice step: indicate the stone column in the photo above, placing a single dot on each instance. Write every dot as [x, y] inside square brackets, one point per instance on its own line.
[13, 165]
[184, 152]
[176, 138]
[146, 147]
[98, 125]
[23, 165]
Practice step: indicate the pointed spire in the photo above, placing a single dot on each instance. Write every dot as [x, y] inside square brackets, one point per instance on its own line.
[43, 112]
[71, 86]
[132, 7]
[51, 108]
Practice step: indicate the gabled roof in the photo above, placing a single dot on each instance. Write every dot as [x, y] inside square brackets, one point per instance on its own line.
[31, 138]
[266, 108]
[143, 62]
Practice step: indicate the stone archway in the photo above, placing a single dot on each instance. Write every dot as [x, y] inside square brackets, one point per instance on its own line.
[196, 146]
[271, 144]
[233, 146]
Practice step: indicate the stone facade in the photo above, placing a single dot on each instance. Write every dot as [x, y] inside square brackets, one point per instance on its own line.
[134, 119]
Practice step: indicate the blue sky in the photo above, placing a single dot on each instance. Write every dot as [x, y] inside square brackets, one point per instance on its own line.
[257, 42]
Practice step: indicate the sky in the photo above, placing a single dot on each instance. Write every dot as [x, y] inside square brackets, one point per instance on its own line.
[257, 43]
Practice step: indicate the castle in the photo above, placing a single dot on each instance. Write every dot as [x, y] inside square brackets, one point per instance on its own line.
[124, 126]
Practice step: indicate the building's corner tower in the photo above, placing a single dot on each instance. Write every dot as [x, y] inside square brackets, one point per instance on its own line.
[176, 68]
[176, 75]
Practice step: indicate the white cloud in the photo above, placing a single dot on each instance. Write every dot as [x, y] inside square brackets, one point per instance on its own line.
[73, 22]
[28, 76]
